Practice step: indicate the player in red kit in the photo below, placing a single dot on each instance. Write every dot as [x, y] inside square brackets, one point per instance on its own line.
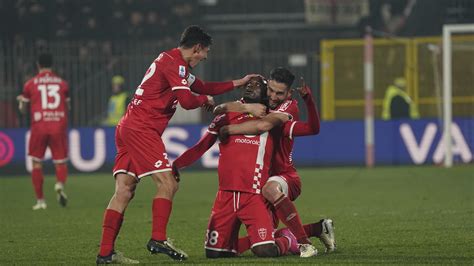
[140, 149]
[284, 185]
[48, 97]
[244, 164]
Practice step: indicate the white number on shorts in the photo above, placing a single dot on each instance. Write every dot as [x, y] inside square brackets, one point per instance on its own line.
[50, 90]
[166, 158]
[211, 238]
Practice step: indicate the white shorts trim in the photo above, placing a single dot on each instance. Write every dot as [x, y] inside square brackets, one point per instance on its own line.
[221, 249]
[125, 172]
[180, 88]
[61, 160]
[263, 243]
[282, 181]
[36, 159]
[154, 171]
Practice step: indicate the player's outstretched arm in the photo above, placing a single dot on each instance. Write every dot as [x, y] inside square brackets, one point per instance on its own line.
[256, 126]
[312, 126]
[189, 101]
[216, 88]
[195, 152]
[255, 109]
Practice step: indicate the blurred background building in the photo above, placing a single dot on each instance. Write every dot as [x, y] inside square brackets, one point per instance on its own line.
[94, 40]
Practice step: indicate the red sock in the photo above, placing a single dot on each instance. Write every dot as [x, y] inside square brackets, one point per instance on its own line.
[283, 245]
[314, 229]
[243, 245]
[286, 212]
[61, 173]
[37, 179]
[110, 229]
[161, 214]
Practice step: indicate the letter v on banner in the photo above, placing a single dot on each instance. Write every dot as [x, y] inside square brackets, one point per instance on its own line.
[418, 153]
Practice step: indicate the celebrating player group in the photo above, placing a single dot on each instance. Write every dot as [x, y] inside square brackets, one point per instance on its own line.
[257, 180]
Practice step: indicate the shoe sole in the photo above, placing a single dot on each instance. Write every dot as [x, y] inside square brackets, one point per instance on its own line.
[172, 254]
[328, 232]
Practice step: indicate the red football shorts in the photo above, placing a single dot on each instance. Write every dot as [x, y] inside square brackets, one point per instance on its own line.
[57, 142]
[230, 210]
[290, 183]
[139, 153]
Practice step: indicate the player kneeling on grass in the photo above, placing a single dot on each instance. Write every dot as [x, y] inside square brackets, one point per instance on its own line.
[284, 185]
[244, 164]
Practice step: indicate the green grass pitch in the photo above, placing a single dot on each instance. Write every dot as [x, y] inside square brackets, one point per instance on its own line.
[386, 215]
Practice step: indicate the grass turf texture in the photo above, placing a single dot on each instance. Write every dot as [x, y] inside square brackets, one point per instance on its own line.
[396, 215]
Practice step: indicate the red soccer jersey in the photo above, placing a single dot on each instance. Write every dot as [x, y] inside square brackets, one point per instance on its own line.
[47, 94]
[282, 161]
[154, 103]
[244, 160]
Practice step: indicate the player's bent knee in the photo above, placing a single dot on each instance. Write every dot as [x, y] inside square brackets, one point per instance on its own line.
[125, 192]
[212, 254]
[267, 250]
[271, 191]
[37, 165]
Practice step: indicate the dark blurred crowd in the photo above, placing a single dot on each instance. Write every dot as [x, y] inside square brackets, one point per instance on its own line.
[93, 19]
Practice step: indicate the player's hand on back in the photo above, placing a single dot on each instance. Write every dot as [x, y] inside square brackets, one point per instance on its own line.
[256, 109]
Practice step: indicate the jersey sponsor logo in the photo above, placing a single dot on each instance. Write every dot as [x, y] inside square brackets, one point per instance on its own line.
[182, 71]
[158, 163]
[247, 141]
[184, 82]
[262, 233]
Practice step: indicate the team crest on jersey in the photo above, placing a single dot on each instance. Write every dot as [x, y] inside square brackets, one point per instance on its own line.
[262, 233]
[182, 71]
[184, 82]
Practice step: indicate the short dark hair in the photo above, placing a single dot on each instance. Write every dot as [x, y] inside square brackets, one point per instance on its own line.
[193, 35]
[282, 75]
[45, 60]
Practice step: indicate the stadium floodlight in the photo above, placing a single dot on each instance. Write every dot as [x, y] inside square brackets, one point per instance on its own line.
[448, 30]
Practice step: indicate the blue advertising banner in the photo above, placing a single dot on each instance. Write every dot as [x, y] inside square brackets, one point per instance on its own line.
[339, 143]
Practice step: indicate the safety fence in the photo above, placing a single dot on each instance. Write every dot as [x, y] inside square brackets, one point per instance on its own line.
[417, 60]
